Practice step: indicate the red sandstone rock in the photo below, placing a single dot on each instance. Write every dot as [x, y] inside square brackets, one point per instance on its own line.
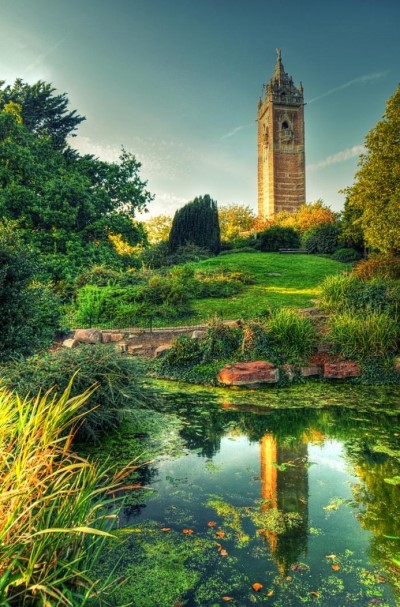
[341, 370]
[310, 370]
[70, 343]
[244, 374]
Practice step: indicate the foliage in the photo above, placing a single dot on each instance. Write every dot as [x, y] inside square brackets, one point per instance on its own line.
[54, 504]
[185, 352]
[42, 112]
[374, 199]
[120, 381]
[346, 255]
[290, 336]
[372, 335]
[323, 238]
[378, 266]
[29, 312]
[158, 228]
[197, 223]
[221, 283]
[221, 342]
[236, 221]
[74, 211]
[278, 237]
[348, 292]
[307, 216]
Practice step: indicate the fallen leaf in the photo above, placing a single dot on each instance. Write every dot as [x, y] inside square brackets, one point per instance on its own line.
[223, 552]
[219, 547]
[211, 523]
[269, 594]
[257, 587]
[220, 533]
[313, 593]
[299, 567]
[187, 531]
[380, 579]
[228, 598]
[331, 556]
[335, 567]
[165, 529]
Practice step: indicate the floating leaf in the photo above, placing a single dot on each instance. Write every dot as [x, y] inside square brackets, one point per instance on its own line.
[313, 593]
[257, 587]
[331, 556]
[380, 579]
[223, 552]
[269, 593]
[211, 523]
[165, 529]
[220, 533]
[335, 567]
[187, 531]
[228, 598]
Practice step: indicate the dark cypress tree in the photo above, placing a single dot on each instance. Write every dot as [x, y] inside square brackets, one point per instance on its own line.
[197, 223]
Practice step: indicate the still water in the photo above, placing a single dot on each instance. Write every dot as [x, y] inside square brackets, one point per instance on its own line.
[284, 507]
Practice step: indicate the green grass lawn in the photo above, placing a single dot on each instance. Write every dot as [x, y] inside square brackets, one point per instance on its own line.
[297, 285]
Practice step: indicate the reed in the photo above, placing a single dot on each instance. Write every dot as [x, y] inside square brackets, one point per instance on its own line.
[53, 503]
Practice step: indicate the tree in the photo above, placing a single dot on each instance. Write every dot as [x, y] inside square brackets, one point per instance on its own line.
[68, 208]
[374, 199]
[197, 223]
[158, 228]
[307, 216]
[235, 221]
[29, 312]
[42, 112]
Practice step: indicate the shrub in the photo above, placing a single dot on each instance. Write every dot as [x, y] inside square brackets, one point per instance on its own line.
[323, 238]
[55, 506]
[196, 222]
[371, 335]
[346, 255]
[120, 383]
[348, 292]
[221, 342]
[221, 283]
[185, 352]
[278, 237]
[378, 266]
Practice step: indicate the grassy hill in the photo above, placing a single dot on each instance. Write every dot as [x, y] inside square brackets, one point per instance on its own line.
[296, 285]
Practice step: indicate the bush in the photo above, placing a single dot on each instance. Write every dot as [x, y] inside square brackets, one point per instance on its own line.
[348, 292]
[185, 353]
[54, 504]
[378, 266]
[346, 255]
[221, 283]
[120, 383]
[221, 342]
[291, 336]
[371, 335]
[323, 238]
[278, 237]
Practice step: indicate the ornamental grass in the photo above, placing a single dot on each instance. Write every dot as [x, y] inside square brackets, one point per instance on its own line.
[54, 505]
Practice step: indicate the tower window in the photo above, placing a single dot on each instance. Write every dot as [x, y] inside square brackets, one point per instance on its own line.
[285, 124]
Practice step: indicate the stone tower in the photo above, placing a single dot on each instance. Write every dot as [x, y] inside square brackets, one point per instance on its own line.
[281, 160]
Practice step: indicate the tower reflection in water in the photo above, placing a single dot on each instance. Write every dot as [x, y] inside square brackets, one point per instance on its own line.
[284, 493]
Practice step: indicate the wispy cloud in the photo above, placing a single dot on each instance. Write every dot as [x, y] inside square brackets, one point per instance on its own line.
[359, 80]
[235, 130]
[342, 156]
[42, 56]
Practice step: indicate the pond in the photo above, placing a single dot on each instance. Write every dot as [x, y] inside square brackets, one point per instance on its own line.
[281, 505]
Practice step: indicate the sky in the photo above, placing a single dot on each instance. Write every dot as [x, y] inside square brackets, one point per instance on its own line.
[176, 82]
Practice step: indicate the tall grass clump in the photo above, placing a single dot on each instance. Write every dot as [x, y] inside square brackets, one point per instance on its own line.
[290, 337]
[372, 335]
[120, 380]
[336, 291]
[54, 505]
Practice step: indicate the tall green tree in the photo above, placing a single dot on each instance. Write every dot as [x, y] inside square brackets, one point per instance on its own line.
[374, 199]
[43, 111]
[197, 223]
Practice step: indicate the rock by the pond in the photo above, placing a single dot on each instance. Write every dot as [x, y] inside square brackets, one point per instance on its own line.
[162, 350]
[245, 374]
[290, 371]
[310, 370]
[135, 349]
[396, 364]
[341, 370]
[70, 343]
[88, 336]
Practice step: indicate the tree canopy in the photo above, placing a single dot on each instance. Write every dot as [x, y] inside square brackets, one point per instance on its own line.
[374, 200]
[67, 207]
[235, 221]
[196, 222]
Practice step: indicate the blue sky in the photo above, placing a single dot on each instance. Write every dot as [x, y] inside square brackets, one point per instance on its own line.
[177, 82]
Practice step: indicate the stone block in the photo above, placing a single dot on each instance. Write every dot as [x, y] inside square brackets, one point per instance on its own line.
[121, 346]
[310, 370]
[135, 349]
[396, 364]
[116, 337]
[162, 350]
[70, 343]
[199, 334]
[341, 370]
[247, 374]
[88, 336]
[290, 371]
[105, 338]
